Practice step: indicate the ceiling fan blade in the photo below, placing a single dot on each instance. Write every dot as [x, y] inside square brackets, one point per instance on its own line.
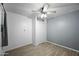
[35, 11]
[51, 12]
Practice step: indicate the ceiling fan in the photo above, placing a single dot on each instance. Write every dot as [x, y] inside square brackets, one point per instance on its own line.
[44, 10]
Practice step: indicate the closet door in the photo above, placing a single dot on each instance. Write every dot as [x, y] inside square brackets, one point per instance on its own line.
[0, 29]
[4, 26]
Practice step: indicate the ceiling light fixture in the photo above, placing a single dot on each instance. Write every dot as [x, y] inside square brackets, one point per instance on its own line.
[43, 15]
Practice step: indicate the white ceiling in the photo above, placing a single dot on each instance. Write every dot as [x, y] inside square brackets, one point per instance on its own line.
[26, 8]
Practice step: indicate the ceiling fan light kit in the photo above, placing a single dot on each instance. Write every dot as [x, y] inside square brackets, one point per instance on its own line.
[43, 15]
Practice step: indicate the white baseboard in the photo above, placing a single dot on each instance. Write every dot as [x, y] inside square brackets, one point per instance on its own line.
[64, 46]
[18, 46]
[39, 43]
[42, 42]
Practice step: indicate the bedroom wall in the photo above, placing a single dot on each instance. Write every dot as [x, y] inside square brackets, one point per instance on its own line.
[64, 30]
[19, 31]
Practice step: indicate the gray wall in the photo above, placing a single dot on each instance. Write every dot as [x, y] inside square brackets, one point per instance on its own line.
[64, 30]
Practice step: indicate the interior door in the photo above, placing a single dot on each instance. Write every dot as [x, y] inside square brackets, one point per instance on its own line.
[0, 29]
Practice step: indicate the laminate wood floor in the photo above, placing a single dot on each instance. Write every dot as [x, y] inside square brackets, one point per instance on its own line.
[43, 49]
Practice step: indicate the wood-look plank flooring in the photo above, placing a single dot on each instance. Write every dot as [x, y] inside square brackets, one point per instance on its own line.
[43, 49]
